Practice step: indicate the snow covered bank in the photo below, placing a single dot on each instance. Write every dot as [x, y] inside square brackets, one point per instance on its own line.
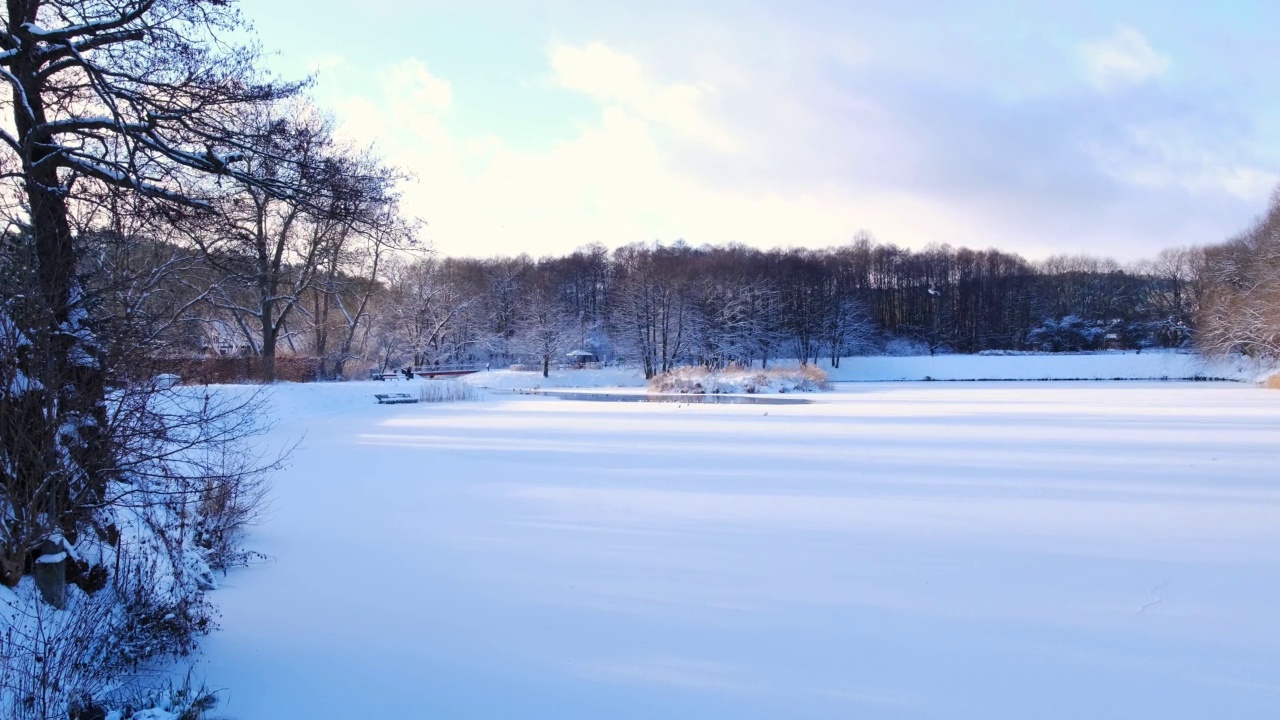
[1146, 365]
[518, 380]
[996, 551]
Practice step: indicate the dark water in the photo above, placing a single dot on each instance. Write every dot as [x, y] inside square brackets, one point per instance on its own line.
[681, 399]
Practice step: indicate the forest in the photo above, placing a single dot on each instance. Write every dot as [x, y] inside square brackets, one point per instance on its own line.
[353, 301]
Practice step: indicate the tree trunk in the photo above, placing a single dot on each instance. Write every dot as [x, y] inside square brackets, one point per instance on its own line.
[267, 367]
[321, 315]
[52, 476]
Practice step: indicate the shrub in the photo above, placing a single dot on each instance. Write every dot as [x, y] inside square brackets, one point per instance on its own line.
[736, 379]
[69, 663]
[440, 391]
[138, 569]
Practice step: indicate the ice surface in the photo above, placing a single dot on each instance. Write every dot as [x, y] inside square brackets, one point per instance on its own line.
[996, 550]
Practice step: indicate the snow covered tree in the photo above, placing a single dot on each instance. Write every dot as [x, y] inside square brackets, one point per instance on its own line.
[426, 316]
[846, 328]
[652, 311]
[106, 98]
[1240, 310]
[547, 328]
[349, 280]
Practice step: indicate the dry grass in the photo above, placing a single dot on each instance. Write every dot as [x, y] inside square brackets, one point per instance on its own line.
[736, 379]
[815, 375]
[442, 391]
[1273, 382]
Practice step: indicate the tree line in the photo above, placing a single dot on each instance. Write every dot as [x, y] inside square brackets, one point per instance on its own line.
[1240, 286]
[659, 306]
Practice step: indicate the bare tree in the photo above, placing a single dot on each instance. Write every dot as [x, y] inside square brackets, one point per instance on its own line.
[115, 107]
[106, 97]
[423, 313]
[547, 327]
[271, 249]
[652, 311]
[350, 279]
[846, 328]
[1240, 310]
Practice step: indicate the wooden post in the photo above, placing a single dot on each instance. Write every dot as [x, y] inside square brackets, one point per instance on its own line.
[50, 573]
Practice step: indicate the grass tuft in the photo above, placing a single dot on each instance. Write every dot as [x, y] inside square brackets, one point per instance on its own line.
[443, 391]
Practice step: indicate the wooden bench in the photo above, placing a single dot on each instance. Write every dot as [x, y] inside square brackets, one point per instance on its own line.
[395, 398]
[374, 375]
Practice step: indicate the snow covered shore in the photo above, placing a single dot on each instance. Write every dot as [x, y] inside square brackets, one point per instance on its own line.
[1128, 365]
[1149, 365]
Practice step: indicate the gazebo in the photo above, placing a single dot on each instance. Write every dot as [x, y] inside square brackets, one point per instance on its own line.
[580, 358]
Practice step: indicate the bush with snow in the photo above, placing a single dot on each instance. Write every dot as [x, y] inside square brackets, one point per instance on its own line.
[896, 346]
[735, 379]
[133, 597]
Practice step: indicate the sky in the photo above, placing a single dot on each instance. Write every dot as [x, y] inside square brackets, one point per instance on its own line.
[1109, 127]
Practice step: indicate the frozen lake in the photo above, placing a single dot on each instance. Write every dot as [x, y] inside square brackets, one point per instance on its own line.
[991, 550]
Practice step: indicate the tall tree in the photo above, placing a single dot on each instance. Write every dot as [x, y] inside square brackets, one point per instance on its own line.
[139, 97]
[272, 249]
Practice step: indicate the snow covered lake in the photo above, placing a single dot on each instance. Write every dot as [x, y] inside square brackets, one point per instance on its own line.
[992, 550]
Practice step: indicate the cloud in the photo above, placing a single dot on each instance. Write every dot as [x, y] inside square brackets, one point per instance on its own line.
[409, 81]
[620, 80]
[1170, 156]
[808, 154]
[1122, 60]
[614, 181]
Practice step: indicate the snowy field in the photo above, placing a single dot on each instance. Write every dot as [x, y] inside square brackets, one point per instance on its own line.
[995, 550]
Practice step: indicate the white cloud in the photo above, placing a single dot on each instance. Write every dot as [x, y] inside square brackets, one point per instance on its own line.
[1124, 59]
[620, 178]
[409, 81]
[620, 80]
[1165, 156]
[613, 182]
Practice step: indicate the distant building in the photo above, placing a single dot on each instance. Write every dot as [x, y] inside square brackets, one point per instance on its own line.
[581, 358]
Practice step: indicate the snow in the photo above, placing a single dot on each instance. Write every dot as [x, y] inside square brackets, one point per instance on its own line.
[917, 550]
[22, 384]
[1127, 365]
[1119, 365]
[148, 714]
[520, 380]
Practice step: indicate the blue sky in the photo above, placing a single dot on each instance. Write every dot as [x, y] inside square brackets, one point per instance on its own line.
[1114, 128]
